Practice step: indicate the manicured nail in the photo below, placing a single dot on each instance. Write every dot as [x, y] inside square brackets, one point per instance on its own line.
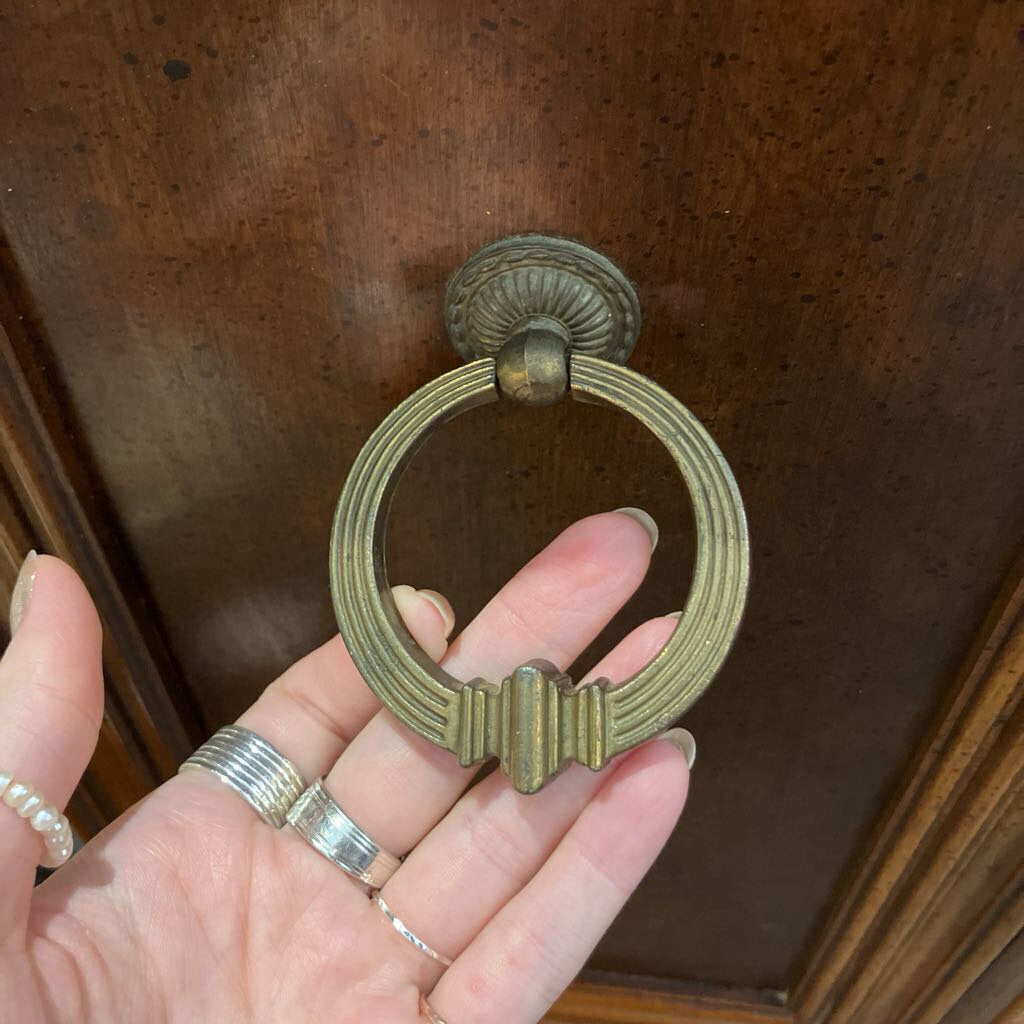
[440, 602]
[644, 520]
[22, 591]
[683, 739]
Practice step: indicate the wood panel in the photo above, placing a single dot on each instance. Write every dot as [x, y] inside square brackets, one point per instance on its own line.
[930, 928]
[595, 1003]
[48, 502]
[230, 225]
[1013, 1014]
[939, 894]
[998, 995]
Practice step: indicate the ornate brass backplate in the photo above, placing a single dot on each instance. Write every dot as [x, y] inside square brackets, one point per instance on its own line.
[539, 318]
[544, 282]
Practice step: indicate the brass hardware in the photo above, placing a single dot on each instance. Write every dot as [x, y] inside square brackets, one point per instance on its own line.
[538, 318]
[537, 281]
[533, 367]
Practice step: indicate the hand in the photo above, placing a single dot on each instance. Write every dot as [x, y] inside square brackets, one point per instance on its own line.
[190, 908]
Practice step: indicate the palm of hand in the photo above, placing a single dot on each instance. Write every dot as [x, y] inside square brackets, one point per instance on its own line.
[268, 935]
[191, 907]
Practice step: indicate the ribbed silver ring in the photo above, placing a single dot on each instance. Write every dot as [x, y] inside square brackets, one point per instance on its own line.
[408, 935]
[252, 767]
[317, 817]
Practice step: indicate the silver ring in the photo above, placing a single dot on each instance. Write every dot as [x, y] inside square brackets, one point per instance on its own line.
[317, 817]
[408, 935]
[252, 767]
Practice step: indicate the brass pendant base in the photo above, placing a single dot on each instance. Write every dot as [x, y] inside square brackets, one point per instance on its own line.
[527, 279]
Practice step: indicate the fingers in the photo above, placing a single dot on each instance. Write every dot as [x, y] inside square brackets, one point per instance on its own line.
[51, 705]
[519, 964]
[495, 839]
[312, 710]
[554, 602]
[395, 784]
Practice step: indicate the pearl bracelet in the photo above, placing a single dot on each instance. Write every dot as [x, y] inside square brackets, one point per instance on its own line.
[43, 817]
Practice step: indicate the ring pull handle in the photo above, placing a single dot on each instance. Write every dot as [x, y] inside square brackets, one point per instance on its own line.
[538, 318]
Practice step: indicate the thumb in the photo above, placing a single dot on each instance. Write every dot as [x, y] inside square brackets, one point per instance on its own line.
[51, 705]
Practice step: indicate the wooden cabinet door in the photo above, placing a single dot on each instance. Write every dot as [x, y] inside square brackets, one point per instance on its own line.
[226, 234]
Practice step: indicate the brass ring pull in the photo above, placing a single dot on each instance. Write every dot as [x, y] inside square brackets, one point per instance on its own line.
[535, 722]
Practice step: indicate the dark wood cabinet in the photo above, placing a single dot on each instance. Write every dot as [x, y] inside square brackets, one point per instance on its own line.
[226, 233]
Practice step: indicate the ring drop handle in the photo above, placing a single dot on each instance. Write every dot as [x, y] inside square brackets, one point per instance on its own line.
[551, 300]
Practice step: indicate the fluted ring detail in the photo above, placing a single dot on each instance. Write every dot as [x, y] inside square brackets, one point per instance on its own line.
[432, 702]
[254, 768]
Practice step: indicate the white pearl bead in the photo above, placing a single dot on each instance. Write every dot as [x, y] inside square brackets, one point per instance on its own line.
[30, 805]
[61, 848]
[54, 859]
[53, 827]
[45, 817]
[16, 792]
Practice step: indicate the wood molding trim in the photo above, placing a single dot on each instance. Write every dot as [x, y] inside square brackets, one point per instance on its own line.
[938, 895]
[1013, 1014]
[590, 1003]
[997, 993]
[49, 501]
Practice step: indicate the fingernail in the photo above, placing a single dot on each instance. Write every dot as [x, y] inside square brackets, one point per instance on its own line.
[22, 590]
[440, 602]
[644, 520]
[674, 615]
[684, 741]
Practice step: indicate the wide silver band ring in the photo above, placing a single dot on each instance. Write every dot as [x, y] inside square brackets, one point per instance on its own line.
[409, 936]
[252, 767]
[317, 817]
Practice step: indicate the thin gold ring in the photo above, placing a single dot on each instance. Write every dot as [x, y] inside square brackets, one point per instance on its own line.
[411, 937]
[428, 1013]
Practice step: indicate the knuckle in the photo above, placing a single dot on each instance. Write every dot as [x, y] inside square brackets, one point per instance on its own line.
[498, 842]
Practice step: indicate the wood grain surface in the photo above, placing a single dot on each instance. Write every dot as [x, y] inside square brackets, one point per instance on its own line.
[229, 227]
[590, 1002]
[937, 900]
[48, 502]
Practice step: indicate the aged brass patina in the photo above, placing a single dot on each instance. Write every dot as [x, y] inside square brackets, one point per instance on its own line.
[538, 318]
